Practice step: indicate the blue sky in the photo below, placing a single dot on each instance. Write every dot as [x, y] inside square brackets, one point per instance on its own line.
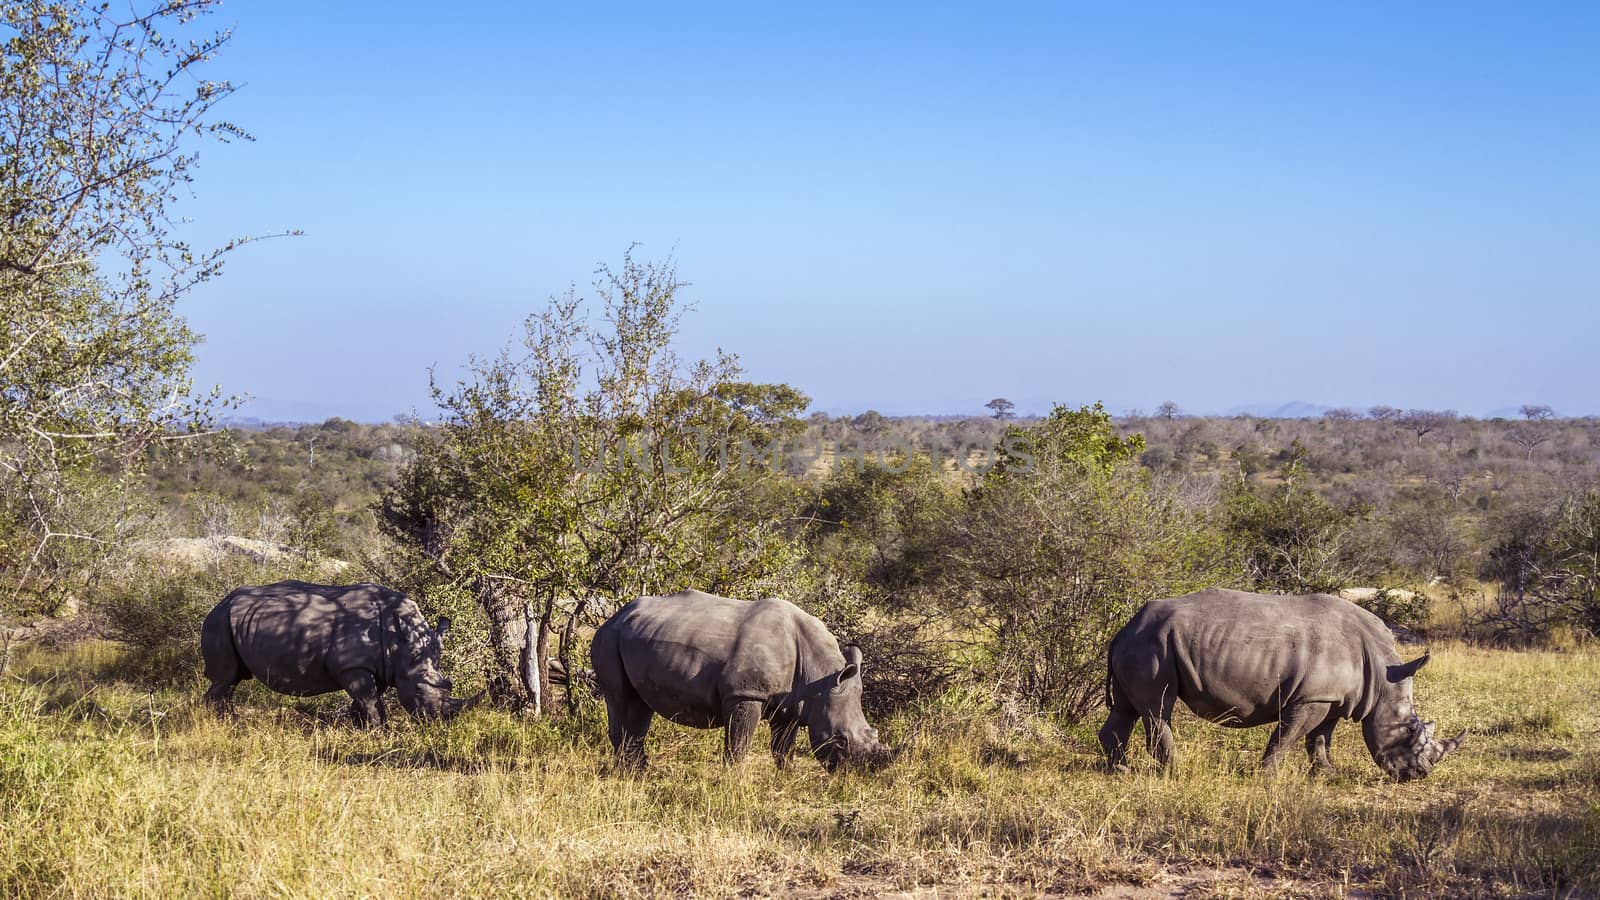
[916, 208]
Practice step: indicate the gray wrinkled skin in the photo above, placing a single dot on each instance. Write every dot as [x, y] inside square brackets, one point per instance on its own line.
[1300, 663]
[307, 639]
[711, 662]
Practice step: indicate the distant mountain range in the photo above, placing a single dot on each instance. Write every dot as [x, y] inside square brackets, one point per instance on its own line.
[1294, 409]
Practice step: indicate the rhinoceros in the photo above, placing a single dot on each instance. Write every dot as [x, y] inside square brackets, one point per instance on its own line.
[1301, 663]
[712, 662]
[306, 639]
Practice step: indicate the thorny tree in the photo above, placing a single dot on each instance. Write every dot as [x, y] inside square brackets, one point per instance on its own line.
[590, 468]
[100, 106]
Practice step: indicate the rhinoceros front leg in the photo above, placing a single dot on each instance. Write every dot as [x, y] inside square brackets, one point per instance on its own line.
[1293, 723]
[1319, 742]
[1158, 738]
[366, 698]
[784, 730]
[743, 716]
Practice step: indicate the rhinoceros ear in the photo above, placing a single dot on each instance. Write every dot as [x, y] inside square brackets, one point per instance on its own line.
[443, 626]
[852, 654]
[1403, 671]
[852, 670]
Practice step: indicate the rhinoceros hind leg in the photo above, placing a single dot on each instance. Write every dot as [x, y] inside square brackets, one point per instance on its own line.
[743, 717]
[628, 721]
[1157, 721]
[1114, 735]
[220, 696]
[224, 668]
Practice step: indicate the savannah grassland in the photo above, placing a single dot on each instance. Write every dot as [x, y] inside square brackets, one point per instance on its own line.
[110, 790]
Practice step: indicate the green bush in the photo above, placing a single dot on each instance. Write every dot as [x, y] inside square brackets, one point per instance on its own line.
[157, 611]
[1060, 543]
[1400, 608]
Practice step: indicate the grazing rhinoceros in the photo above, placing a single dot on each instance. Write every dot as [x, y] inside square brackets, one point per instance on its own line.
[711, 662]
[1241, 660]
[305, 639]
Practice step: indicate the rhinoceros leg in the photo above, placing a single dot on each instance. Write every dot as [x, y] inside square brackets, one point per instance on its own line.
[366, 698]
[743, 717]
[1114, 735]
[1319, 741]
[1158, 737]
[1293, 723]
[784, 730]
[224, 668]
[628, 721]
[220, 694]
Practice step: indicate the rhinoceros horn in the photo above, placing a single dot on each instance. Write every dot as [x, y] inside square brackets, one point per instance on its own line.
[455, 707]
[1426, 751]
[1453, 744]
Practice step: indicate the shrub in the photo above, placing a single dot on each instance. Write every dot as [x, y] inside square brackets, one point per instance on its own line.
[1059, 545]
[157, 611]
[1400, 608]
[1292, 540]
[1548, 567]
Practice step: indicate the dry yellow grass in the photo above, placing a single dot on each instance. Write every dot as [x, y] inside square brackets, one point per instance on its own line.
[109, 791]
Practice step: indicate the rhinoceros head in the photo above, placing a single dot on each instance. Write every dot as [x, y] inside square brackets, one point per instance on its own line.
[422, 688]
[832, 712]
[1400, 742]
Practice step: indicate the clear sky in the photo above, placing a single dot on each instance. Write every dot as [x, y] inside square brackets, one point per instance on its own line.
[916, 207]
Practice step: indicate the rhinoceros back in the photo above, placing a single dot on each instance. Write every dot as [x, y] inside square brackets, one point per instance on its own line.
[296, 637]
[1239, 658]
[686, 655]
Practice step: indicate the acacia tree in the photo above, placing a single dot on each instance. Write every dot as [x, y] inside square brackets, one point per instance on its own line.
[1534, 430]
[590, 467]
[1000, 408]
[101, 106]
[1423, 422]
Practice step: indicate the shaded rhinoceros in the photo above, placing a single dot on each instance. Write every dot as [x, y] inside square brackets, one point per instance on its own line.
[306, 639]
[1241, 660]
[712, 662]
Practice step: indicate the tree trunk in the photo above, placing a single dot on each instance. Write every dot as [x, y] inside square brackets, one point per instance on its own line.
[508, 635]
[566, 652]
[543, 653]
[530, 661]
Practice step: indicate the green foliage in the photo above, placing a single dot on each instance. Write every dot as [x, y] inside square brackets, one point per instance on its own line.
[592, 468]
[1059, 545]
[1548, 567]
[1084, 438]
[1406, 609]
[1292, 540]
[312, 529]
[99, 109]
[882, 521]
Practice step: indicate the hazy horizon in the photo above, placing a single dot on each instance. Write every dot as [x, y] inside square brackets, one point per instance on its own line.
[1256, 410]
[916, 209]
